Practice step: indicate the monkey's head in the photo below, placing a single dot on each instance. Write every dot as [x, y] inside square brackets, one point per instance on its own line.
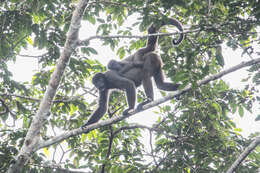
[114, 65]
[99, 80]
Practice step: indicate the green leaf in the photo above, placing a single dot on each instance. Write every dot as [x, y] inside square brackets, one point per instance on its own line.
[29, 40]
[91, 19]
[257, 118]
[121, 52]
[217, 107]
[240, 111]
[92, 50]
[73, 109]
[101, 20]
[233, 107]
[219, 56]
[161, 141]
[181, 76]
[26, 122]
[92, 134]
[238, 129]
[83, 137]
[212, 116]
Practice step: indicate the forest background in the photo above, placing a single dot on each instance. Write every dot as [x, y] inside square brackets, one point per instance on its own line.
[194, 128]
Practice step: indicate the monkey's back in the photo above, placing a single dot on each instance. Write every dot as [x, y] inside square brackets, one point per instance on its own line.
[152, 64]
[135, 74]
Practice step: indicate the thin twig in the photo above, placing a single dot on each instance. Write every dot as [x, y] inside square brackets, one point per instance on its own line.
[82, 42]
[6, 109]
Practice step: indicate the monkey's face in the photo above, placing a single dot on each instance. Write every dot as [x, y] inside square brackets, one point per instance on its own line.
[99, 81]
[114, 65]
[100, 84]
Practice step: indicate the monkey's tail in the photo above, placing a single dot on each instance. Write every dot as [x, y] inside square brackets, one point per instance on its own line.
[176, 23]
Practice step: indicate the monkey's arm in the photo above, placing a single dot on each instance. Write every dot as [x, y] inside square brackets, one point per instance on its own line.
[101, 109]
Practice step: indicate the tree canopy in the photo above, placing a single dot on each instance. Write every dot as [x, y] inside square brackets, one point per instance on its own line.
[40, 120]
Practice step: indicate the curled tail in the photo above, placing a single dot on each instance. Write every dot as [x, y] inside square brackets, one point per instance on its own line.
[152, 40]
[175, 22]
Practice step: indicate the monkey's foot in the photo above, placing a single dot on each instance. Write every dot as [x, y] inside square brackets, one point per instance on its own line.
[140, 106]
[126, 112]
[176, 86]
[84, 125]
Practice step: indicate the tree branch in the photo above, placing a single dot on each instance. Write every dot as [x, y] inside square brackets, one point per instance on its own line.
[82, 42]
[38, 100]
[57, 168]
[111, 138]
[6, 108]
[20, 96]
[162, 160]
[244, 154]
[33, 56]
[115, 119]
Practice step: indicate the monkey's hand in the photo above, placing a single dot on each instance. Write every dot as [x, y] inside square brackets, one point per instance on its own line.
[152, 29]
[140, 106]
[126, 112]
[84, 125]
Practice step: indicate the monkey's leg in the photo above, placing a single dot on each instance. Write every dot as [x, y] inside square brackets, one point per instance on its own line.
[124, 84]
[148, 89]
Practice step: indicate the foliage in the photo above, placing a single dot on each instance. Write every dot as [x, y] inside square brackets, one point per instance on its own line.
[194, 133]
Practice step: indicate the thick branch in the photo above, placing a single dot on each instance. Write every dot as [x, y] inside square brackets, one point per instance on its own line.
[33, 135]
[244, 154]
[115, 119]
[38, 100]
[57, 168]
[33, 56]
[20, 96]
